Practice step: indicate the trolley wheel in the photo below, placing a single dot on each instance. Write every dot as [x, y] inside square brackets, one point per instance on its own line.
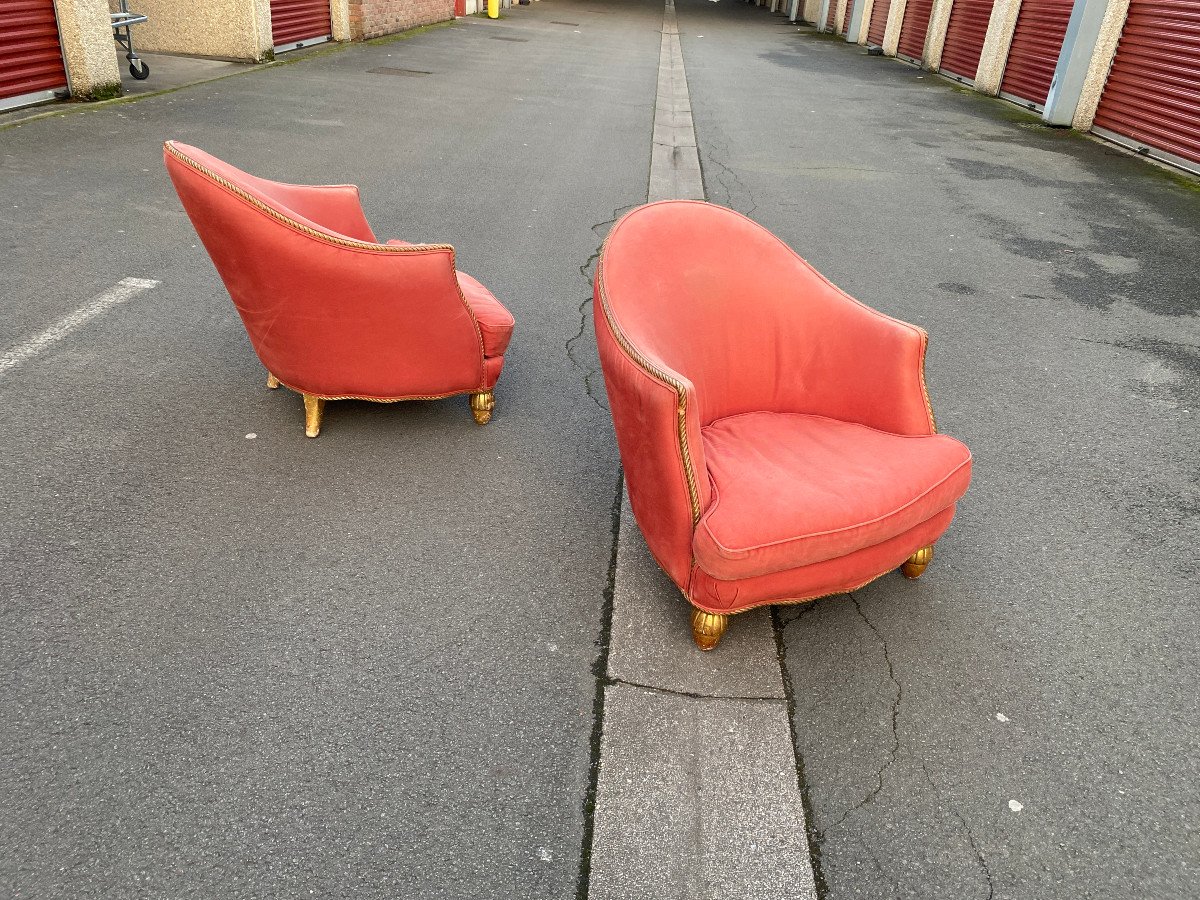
[141, 74]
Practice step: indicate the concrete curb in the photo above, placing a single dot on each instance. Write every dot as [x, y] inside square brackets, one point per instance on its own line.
[696, 793]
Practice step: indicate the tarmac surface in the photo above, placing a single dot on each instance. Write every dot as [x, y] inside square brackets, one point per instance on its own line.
[359, 665]
[240, 663]
[1021, 721]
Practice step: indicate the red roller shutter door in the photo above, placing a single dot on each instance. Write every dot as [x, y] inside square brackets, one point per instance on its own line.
[31, 60]
[846, 17]
[964, 37]
[879, 17]
[1036, 45]
[831, 18]
[913, 28]
[299, 21]
[1152, 97]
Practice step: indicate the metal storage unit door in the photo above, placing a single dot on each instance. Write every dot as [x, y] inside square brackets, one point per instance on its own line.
[31, 62]
[846, 15]
[879, 16]
[913, 28]
[1036, 44]
[296, 23]
[1152, 97]
[964, 37]
[831, 17]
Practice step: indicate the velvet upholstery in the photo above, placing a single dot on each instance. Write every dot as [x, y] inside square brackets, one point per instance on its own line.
[775, 433]
[329, 310]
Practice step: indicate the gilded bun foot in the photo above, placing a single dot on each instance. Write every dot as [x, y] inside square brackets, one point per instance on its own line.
[314, 407]
[272, 381]
[916, 564]
[707, 628]
[482, 405]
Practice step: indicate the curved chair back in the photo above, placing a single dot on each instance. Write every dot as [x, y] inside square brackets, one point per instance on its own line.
[329, 311]
[714, 296]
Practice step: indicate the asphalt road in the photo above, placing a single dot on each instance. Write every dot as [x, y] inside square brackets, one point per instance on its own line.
[1021, 722]
[362, 665]
[355, 666]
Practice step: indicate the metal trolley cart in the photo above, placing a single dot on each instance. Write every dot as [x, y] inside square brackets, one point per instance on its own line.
[122, 21]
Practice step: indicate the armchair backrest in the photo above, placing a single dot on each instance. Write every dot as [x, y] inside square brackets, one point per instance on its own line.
[328, 310]
[710, 294]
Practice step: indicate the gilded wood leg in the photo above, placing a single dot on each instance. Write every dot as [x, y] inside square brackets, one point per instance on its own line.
[707, 628]
[482, 405]
[272, 381]
[916, 564]
[313, 408]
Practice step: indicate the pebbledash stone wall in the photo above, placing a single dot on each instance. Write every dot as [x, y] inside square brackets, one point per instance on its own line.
[222, 29]
[374, 18]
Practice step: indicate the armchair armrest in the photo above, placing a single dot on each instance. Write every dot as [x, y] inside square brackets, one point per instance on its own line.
[854, 362]
[400, 326]
[656, 416]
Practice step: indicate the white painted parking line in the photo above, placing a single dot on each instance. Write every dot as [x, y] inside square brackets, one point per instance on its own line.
[123, 290]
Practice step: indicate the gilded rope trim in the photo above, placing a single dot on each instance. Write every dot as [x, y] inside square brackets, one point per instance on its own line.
[790, 601]
[340, 240]
[921, 376]
[655, 372]
[463, 393]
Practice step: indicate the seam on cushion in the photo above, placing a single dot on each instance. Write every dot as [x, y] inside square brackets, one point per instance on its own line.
[711, 511]
[500, 325]
[730, 611]
[511, 318]
[738, 555]
[792, 600]
[759, 412]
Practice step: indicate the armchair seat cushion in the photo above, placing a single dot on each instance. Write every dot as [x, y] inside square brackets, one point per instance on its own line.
[495, 322]
[791, 489]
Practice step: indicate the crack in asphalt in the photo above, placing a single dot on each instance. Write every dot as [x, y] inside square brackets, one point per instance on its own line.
[895, 752]
[588, 272]
[983, 866]
[879, 867]
[817, 835]
[589, 372]
[600, 672]
[726, 179]
[802, 610]
[737, 182]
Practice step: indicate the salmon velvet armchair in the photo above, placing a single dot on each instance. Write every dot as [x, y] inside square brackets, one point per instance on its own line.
[332, 313]
[776, 436]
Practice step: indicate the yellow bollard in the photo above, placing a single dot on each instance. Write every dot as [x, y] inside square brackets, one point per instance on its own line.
[493, 9]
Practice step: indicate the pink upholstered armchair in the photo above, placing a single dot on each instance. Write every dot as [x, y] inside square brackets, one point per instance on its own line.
[776, 436]
[332, 313]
